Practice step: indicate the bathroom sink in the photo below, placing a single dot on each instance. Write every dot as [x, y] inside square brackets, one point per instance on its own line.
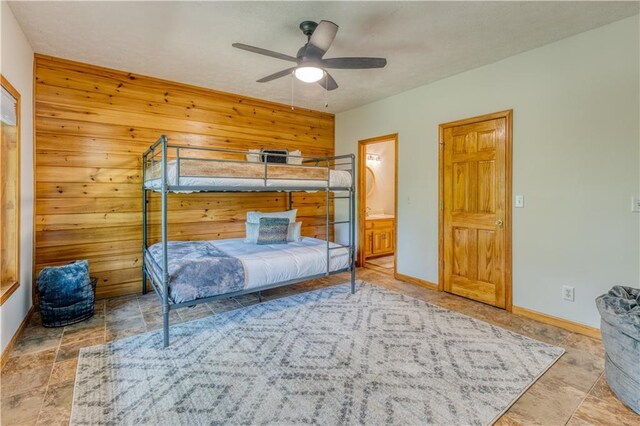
[380, 216]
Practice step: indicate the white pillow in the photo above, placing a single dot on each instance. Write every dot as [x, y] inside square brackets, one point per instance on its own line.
[254, 217]
[294, 232]
[254, 156]
[296, 159]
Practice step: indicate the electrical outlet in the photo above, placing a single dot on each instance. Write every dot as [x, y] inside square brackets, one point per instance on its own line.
[568, 293]
[635, 204]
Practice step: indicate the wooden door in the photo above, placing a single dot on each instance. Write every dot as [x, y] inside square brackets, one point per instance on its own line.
[364, 225]
[475, 209]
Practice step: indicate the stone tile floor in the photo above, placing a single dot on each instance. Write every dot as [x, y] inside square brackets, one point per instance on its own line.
[382, 264]
[37, 382]
[385, 263]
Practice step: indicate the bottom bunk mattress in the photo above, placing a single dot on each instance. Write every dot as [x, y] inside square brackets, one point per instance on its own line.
[200, 269]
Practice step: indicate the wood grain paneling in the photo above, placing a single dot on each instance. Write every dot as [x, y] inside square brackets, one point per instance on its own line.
[92, 125]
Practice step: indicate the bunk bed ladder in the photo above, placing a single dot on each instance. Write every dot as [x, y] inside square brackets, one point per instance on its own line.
[165, 260]
[144, 224]
[352, 224]
[327, 222]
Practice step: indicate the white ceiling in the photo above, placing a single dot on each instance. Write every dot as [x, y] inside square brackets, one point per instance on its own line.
[190, 42]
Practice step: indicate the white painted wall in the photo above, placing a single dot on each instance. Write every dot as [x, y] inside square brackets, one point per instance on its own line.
[575, 159]
[382, 198]
[16, 65]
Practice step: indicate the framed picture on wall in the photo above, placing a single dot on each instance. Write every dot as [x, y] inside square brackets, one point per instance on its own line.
[10, 190]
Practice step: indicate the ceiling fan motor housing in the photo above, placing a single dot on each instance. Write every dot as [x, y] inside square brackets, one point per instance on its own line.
[308, 27]
[301, 51]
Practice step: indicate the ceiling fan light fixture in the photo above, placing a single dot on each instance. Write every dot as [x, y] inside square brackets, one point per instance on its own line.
[310, 64]
[309, 74]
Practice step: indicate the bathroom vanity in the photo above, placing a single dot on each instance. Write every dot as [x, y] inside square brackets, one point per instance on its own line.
[379, 235]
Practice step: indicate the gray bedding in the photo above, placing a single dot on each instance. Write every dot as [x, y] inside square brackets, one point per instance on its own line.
[198, 269]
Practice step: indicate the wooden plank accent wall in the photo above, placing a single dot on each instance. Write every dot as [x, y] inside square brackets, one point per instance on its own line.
[92, 125]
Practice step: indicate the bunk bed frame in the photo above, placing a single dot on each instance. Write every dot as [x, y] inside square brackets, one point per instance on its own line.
[158, 274]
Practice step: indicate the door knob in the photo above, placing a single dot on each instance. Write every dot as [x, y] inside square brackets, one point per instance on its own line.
[499, 223]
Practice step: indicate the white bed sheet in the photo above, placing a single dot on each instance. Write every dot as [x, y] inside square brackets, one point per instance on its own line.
[337, 179]
[270, 264]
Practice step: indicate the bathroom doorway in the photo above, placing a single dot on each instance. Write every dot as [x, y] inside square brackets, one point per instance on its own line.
[377, 203]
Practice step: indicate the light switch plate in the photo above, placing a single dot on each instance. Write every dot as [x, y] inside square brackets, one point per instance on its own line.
[519, 201]
[635, 204]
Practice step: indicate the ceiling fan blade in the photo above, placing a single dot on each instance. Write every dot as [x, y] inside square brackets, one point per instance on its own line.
[265, 52]
[321, 38]
[276, 75]
[327, 82]
[354, 63]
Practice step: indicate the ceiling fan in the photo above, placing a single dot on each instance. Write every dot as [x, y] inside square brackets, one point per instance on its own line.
[310, 65]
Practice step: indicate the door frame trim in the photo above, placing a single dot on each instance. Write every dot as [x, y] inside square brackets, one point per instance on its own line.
[362, 200]
[508, 116]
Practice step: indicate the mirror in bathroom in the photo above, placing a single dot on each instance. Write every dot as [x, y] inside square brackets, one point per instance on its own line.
[370, 181]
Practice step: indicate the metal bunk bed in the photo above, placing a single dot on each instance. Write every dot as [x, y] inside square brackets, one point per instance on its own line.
[155, 165]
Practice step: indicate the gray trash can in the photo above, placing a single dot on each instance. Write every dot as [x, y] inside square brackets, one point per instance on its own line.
[620, 327]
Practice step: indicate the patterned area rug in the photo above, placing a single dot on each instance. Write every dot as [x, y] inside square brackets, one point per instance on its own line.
[326, 357]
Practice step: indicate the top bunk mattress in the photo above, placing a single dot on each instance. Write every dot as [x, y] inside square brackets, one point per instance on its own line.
[232, 174]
